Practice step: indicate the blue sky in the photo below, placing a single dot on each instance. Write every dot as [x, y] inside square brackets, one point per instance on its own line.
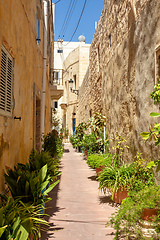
[91, 14]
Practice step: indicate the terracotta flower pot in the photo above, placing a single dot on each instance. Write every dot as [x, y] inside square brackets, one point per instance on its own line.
[149, 213]
[98, 170]
[85, 154]
[119, 195]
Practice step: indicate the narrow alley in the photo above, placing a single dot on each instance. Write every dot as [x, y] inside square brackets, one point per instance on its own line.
[78, 210]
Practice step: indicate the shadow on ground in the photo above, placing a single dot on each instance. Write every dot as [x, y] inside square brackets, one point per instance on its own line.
[51, 209]
[66, 151]
[106, 199]
[93, 178]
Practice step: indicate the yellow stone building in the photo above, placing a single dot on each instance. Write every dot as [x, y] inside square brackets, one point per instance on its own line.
[26, 78]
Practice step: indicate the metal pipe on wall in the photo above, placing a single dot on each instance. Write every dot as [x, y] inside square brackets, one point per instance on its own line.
[44, 68]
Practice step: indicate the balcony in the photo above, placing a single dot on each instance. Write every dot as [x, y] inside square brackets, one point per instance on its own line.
[57, 84]
[63, 104]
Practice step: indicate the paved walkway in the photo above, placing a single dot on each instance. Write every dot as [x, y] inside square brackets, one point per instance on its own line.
[78, 210]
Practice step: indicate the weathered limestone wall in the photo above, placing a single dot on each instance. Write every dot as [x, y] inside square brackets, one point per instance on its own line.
[18, 36]
[122, 70]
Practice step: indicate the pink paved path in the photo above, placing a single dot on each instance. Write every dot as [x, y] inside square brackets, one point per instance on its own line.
[78, 210]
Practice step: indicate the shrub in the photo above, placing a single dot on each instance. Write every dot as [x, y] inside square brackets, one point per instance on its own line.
[18, 220]
[127, 217]
[96, 160]
[134, 176]
[74, 141]
[38, 159]
[29, 186]
[53, 144]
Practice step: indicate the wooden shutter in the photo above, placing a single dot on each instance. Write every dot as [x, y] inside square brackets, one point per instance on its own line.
[6, 82]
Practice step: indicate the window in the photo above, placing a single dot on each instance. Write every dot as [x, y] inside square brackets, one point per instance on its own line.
[59, 51]
[37, 22]
[55, 104]
[56, 76]
[6, 82]
[74, 81]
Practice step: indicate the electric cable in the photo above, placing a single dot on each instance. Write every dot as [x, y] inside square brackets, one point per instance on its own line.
[77, 23]
[68, 11]
[69, 16]
[57, 2]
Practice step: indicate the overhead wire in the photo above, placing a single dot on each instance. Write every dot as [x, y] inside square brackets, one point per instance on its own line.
[77, 23]
[69, 16]
[57, 2]
[66, 17]
[62, 45]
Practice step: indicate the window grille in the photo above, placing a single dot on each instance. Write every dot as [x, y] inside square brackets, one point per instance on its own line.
[6, 82]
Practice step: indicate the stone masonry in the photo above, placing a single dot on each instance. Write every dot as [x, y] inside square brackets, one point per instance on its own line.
[123, 69]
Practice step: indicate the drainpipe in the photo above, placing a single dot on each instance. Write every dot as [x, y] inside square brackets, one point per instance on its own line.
[44, 68]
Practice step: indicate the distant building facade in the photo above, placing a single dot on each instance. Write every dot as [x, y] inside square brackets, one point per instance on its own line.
[71, 61]
[61, 52]
[74, 70]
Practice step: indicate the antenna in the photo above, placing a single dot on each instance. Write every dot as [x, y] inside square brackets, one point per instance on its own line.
[95, 25]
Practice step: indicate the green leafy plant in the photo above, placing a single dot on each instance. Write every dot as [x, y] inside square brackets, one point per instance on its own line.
[154, 132]
[74, 141]
[96, 161]
[18, 220]
[53, 144]
[155, 94]
[113, 178]
[134, 176]
[89, 143]
[118, 148]
[127, 218]
[97, 123]
[29, 186]
[80, 132]
[38, 159]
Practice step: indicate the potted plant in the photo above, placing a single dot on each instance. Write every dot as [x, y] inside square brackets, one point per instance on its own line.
[80, 132]
[89, 144]
[149, 197]
[53, 144]
[116, 180]
[128, 218]
[74, 141]
[99, 161]
[121, 180]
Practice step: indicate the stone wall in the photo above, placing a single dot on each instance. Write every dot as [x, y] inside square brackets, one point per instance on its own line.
[18, 36]
[122, 71]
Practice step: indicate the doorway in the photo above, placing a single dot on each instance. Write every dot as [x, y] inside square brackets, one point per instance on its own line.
[74, 125]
